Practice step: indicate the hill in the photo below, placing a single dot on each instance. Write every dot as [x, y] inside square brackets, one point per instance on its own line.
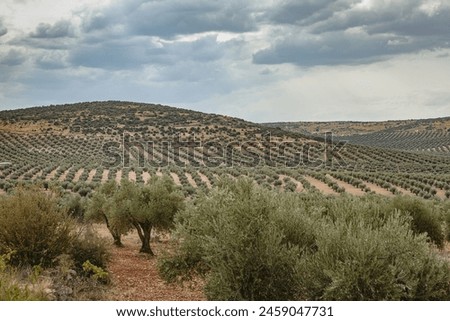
[79, 146]
[429, 135]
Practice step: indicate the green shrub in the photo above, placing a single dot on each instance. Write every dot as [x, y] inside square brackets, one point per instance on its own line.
[88, 246]
[424, 219]
[249, 243]
[34, 228]
[355, 261]
[231, 234]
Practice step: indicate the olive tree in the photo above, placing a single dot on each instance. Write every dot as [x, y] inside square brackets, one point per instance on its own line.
[101, 208]
[153, 205]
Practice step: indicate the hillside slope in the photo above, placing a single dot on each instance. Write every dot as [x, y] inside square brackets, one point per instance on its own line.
[78, 146]
[430, 135]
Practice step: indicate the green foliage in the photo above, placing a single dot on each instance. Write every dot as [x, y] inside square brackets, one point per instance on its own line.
[95, 272]
[11, 287]
[239, 243]
[88, 246]
[253, 244]
[74, 205]
[424, 219]
[151, 206]
[34, 228]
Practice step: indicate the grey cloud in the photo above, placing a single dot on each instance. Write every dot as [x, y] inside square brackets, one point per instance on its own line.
[167, 19]
[51, 60]
[3, 29]
[352, 34]
[333, 48]
[60, 29]
[12, 58]
[138, 51]
[301, 12]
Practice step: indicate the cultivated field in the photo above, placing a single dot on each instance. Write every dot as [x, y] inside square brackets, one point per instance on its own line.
[248, 207]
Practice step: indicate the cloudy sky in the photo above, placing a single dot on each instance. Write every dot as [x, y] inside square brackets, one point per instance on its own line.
[265, 60]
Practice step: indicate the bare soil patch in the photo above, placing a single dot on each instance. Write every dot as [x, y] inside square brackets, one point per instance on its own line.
[52, 174]
[440, 193]
[118, 177]
[378, 189]
[349, 188]
[299, 188]
[105, 175]
[132, 176]
[62, 178]
[175, 178]
[76, 178]
[135, 276]
[39, 174]
[321, 186]
[205, 179]
[191, 180]
[145, 177]
[91, 175]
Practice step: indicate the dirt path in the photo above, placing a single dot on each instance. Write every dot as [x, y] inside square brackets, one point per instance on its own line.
[145, 177]
[321, 186]
[404, 191]
[39, 174]
[62, 178]
[191, 180]
[175, 178]
[52, 174]
[77, 176]
[135, 276]
[349, 188]
[105, 175]
[118, 177]
[132, 176]
[205, 179]
[299, 187]
[91, 175]
[378, 189]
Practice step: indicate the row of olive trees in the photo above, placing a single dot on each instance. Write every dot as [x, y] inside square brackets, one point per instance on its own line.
[142, 207]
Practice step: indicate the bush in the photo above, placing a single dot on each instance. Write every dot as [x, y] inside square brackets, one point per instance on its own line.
[424, 219]
[36, 230]
[88, 246]
[253, 244]
[358, 262]
[33, 228]
[240, 245]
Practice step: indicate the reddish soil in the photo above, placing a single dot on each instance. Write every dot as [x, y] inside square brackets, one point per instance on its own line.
[51, 175]
[321, 186]
[175, 178]
[135, 276]
[77, 176]
[132, 176]
[118, 177]
[348, 187]
[145, 177]
[191, 180]
[105, 175]
[91, 175]
[205, 179]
